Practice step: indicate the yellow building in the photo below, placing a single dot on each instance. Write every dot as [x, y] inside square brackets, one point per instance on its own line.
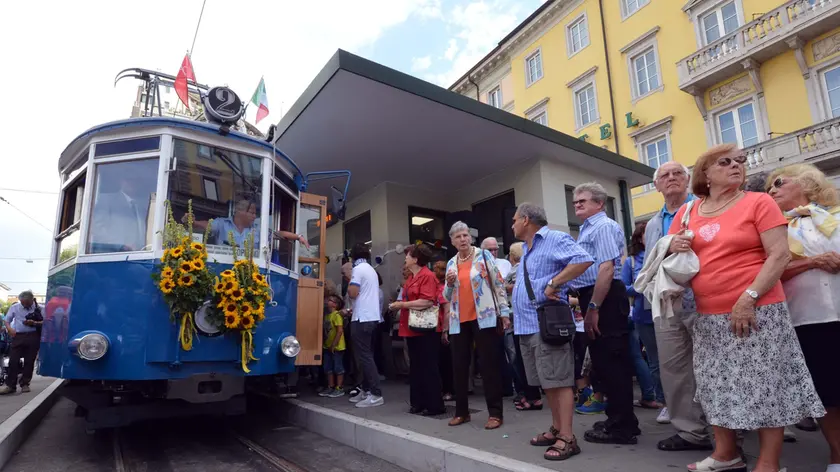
[660, 80]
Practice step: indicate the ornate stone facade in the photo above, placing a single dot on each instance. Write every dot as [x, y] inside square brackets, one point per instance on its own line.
[727, 92]
[827, 47]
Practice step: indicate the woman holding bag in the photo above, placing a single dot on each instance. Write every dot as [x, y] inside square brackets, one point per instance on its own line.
[476, 292]
[420, 296]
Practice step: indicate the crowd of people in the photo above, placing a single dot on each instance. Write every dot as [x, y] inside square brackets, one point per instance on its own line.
[725, 307]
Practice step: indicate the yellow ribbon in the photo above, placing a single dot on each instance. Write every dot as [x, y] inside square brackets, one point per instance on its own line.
[247, 353]
[186, 333]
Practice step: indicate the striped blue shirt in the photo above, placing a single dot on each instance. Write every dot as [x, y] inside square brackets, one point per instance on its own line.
[603, 239]
[552, 251]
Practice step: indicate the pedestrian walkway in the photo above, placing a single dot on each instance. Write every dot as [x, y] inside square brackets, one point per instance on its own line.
[808, 454]
[10, 404]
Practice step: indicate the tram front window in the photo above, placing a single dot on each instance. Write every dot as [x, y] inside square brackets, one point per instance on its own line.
[224, 186]
[123, 211]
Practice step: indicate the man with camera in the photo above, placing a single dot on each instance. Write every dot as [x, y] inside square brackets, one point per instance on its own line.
[23, 322]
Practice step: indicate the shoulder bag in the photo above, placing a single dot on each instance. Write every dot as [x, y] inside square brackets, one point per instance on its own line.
[425, 320]
[556, 320]
[499, 327]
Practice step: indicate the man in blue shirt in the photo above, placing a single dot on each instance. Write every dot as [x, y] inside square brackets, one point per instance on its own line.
[26, 340]
[673, 336]
[604, 297]
[552, 259]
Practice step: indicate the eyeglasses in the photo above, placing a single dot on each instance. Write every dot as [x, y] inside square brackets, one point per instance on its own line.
[676, 174]
[778, 183]
[581, 201]
[727, 161]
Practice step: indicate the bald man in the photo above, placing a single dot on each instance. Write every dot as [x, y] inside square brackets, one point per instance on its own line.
[503, 265]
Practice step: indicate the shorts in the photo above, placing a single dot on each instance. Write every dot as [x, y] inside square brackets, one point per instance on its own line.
[547, 366]
[334, 362]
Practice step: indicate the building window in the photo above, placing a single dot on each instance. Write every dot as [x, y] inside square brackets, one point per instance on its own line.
[357, 231]
[656, 153]
[646, 72]
[210, 189]
[586, 107]
[541, 118]
[534, 68]
[719, 22]
[577, 35]
[628, 7]
[832, 89]
[494, 98]
[739, 126]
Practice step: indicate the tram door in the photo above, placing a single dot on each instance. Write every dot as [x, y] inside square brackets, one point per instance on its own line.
[312, 224]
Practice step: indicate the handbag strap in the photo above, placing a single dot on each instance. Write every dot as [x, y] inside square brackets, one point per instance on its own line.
[685, 218]
[490, 281]
[528, 279]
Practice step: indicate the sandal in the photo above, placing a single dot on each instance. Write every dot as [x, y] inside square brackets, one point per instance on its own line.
[710, 464]
[525, 405]
[459, 420]
[493, 423]
[677, 443]
[647, 404]
[570, 449]
[543, 441]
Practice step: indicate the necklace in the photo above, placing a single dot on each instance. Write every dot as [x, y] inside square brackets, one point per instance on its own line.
[738, 194]
[472, 249]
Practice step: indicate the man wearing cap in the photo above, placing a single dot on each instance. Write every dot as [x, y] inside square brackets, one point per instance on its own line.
[26, 341]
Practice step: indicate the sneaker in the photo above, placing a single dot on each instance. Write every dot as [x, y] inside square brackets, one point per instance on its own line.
[663, 417]
[5, 390]
[326, 392]
[336, 393]
[25, 389]
[790, 436]
[582, 396]
[359, 397]
[591, 407]
[370, 400]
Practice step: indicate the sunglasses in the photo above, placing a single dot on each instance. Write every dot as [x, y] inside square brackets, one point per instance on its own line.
[778, 183]
[727, 161]
[580, 202]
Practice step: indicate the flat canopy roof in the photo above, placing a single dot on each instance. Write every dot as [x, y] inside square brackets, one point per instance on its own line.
[384, 125]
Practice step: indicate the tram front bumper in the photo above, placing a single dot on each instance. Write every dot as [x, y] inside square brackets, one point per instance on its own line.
[206, 388]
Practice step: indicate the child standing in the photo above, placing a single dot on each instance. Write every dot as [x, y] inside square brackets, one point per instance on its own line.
[334, 347]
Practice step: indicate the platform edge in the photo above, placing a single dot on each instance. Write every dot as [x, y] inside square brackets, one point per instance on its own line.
[17, 427]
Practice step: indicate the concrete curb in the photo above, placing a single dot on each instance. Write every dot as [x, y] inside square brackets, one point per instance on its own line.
[407, 449]
[15, 430]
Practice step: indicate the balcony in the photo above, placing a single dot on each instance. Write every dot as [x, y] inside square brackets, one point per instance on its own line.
[817, 143]
[759, 40]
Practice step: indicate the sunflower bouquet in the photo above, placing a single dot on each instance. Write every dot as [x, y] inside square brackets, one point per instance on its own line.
[240, 296]
[182, 275]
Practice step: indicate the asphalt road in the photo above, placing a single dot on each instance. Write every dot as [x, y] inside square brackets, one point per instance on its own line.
[255, 442]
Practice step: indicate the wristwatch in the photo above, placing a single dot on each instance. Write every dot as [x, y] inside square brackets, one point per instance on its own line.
[552, 286]
[752, 293]
[593, 306]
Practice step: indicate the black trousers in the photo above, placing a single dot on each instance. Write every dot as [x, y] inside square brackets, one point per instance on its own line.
[24, 346]
[362, 339]
[611, 357]
[423, 374]
[532, 393]
[445, 368]
[487, 344]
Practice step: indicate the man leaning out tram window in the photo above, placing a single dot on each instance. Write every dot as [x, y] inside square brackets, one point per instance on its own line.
[23, 322]
[241, 224]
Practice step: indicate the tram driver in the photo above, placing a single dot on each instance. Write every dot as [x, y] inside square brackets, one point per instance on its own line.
[241, 224]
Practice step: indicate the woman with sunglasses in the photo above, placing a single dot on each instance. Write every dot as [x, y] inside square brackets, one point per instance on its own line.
[749, 368]
[812, 282]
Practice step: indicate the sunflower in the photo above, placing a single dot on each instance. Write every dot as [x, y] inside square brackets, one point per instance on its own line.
[176, 252]
[246, 322]
[198, 247]
[230, 286]
[220, 287]
[167, 273]
[240, 263]
[228, 274]
[236, 294]
[232, 320]
[259, 315]
[166, 285]
[258, 278]
[165, 254]
[185, 266]
[246, 309]
[186, 280]
[197, 264]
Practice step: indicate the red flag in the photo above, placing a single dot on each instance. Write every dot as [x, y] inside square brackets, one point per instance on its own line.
[185, 73]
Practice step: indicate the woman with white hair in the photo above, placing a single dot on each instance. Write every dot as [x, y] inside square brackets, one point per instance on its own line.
[476, 293]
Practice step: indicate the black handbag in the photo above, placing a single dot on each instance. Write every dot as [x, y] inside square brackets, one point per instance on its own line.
[556, 320]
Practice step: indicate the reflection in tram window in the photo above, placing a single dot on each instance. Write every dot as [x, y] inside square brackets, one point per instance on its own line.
[224, 186]
[309, 226]
[123, 206]
[68, 224]
[283, 217]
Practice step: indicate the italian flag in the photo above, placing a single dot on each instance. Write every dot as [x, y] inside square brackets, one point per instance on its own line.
[261, 100]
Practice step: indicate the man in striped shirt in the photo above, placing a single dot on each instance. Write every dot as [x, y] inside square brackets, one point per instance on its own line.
[604, 297]
[552, 259]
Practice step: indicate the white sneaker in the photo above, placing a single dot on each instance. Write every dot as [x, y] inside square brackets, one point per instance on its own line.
[359, 397]
[663, 417]
[369, 401]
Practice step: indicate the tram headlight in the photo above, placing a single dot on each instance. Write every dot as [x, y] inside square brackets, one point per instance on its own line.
[289, 346]
[90, 346]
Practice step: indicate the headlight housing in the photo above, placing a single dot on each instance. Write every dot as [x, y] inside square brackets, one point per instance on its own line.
[290, 346]
[90, 346]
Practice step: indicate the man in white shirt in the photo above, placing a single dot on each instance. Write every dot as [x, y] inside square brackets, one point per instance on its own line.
[364, 291]
[26, 340]
[503, 265]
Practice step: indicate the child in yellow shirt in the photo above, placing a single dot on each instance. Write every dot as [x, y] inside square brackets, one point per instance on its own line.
[334, 347]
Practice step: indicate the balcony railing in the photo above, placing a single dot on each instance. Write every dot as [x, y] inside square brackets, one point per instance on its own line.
[808, 144]
[771, 29]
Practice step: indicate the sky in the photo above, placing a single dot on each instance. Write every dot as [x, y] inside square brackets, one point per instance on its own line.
[60, 59]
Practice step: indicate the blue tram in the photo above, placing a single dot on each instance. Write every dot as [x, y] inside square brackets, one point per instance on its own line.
[107, 329]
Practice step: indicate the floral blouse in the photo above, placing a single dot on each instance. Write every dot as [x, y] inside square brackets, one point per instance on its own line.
[482, 293]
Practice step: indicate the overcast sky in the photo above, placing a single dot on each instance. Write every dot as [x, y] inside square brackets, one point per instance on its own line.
[59, 60]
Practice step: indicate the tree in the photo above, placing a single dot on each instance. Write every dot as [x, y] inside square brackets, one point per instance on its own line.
[4, 306]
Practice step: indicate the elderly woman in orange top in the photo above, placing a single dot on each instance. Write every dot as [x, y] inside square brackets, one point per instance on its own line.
[812, 282]
[749, 367]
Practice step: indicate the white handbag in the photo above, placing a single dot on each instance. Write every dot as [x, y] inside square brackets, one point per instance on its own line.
[683, 266]
[424, 320]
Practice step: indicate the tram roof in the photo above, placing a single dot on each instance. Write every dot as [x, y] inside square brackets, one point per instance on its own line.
[384, 125]
[82, 141]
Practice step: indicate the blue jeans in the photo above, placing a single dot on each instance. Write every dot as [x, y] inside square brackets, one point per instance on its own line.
[647, 335]
[642, 369]
[334, 362]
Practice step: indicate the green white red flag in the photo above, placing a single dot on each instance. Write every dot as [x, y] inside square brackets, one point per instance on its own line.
[261, 100]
